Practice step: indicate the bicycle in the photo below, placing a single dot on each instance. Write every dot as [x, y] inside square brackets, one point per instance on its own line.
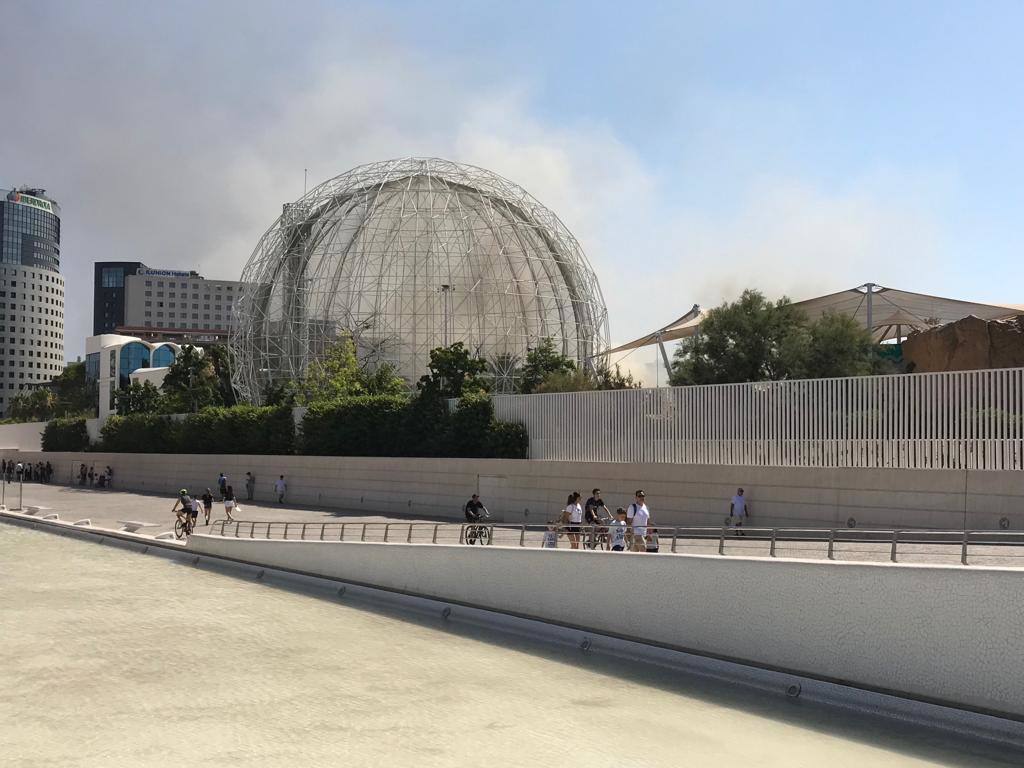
[479, 533]
[182, 525]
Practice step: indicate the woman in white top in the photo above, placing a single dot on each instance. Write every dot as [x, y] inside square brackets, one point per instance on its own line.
[573, 518]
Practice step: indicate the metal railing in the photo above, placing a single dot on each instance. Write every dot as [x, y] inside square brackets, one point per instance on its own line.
[953, 420]
[830, 543]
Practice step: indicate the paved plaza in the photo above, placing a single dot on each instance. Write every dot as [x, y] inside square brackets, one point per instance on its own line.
[107, 508]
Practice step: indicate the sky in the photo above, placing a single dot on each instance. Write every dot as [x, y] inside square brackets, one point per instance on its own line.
[694, 149]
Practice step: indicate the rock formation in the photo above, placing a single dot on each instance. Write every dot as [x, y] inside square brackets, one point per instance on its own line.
[966, 345]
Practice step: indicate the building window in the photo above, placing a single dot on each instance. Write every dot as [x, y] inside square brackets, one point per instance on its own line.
[112, 277]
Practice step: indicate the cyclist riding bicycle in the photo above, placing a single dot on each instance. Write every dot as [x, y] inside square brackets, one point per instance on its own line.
[475, 512]
[188, 513]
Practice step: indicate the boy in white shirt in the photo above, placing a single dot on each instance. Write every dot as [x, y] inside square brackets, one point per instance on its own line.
[550, 537]
[739, 510]
[617, 531]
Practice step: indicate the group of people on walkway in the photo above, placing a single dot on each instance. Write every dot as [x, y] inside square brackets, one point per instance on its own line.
[591, 525]
[190, 506]
[102, 479]
[16, 471]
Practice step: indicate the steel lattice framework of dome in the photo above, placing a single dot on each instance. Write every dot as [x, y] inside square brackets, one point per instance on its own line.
[408, 255]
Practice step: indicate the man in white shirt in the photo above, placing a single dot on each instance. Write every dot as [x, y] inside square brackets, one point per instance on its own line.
[739, 510]
[279, 488]
[638, 515]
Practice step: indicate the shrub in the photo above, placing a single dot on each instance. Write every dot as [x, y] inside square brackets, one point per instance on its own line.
[470, 426]
[65, 435]
[507, 440]
[142, 433]
[244, 429]
[367, 425]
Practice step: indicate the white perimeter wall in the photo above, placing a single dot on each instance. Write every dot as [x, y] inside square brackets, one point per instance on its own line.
[531, 491]
[933, 632]
[26, 437]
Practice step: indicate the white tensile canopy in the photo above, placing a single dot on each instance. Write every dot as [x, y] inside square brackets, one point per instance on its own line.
[888, 312]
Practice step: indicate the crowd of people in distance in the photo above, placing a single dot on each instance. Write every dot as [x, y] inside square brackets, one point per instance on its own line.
[592, 526]
[13, 471]
[102, 479]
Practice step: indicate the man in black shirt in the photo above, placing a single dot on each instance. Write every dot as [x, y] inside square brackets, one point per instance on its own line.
[594, 512]
[473, 509]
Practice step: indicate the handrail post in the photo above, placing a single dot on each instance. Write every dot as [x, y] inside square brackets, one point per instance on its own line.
[462, 534]
[895, 538]
[490, 539]
[236, 530]
[252, 530]
[522, 535]
[302, 535]
[322, 525]
[832, 544]
[387, 528]
[268, 530]
[721, 542]
[362, 536]
[409, 538]
[675, 531]
[434, 539]
[286, 530]
[963, 550]
[771, 549]
[341, 536]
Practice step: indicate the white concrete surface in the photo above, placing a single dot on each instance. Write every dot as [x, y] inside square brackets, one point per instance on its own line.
[930, 632]
[23, 437]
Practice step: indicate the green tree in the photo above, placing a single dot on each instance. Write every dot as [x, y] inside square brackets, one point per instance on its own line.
[575, 380]
[191, 382]
[753, 339]
[33, 405]
[139, 398]
[542, 361]
[76, 394]
[222, 359]
[335, 374]
[453, 372]
[608, 378]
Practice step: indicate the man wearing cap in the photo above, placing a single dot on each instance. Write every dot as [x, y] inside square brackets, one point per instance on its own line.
[637, 517]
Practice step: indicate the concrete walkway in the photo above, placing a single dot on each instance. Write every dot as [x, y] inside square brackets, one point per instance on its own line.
[105, 508]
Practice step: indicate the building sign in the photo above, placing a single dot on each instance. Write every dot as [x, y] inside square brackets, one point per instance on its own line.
[34, 202]
[164, 273]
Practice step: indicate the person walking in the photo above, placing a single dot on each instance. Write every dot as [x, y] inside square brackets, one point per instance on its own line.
[280, 487]
[110, 476]
[638, 515]
[595, 513]
[207, 504]
[229, 502]
[617, 531]
[739, 510]
[222, 484]
[573, 517]
[250, 485]
[92, 474]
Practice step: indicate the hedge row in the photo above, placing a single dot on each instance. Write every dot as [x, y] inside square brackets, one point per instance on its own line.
[390, 425]
[243, 429]
[373, 425]
[65, 435]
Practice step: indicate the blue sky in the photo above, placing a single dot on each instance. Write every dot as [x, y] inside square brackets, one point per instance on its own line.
[694, 148]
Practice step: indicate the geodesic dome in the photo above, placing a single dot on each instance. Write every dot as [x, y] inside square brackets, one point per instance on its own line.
[408, 255]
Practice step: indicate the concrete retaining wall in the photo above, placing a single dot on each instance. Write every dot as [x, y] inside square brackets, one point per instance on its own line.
[532, 491]
[950, 635]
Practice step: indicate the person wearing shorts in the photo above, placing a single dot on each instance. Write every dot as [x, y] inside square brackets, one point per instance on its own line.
[229, 502]
[573, 517]
[640, 518]
[617, 531]
[207, 504]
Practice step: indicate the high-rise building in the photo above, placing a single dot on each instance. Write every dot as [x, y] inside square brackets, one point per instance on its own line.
[31, 291]
[108, 293]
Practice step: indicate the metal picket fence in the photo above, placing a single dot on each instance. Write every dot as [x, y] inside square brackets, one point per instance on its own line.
[958, 420]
